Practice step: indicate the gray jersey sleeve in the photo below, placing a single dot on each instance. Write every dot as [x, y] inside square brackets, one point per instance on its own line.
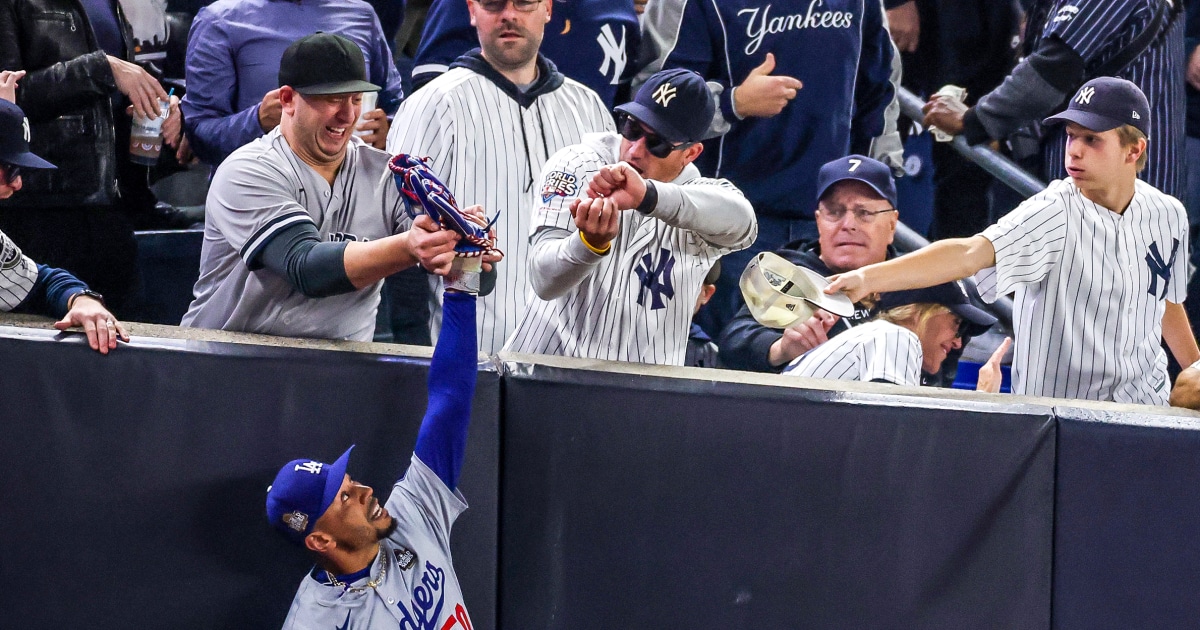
[18, 274]
[250, 201]
[712, 208]
[420, 501]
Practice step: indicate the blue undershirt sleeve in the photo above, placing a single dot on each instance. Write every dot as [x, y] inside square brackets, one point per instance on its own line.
[315, 268]
[54, 287]
[442, 439]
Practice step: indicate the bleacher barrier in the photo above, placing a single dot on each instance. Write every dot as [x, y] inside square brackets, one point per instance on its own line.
[602, 495]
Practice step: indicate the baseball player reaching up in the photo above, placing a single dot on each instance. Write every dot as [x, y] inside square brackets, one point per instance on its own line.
[627, 229]
[1097, 262]
[387, 564]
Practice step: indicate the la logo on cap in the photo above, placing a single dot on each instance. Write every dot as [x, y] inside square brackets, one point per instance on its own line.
[664, 94]
[1085, 95]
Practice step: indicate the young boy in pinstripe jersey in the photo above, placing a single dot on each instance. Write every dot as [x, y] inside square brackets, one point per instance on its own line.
[1097, 262]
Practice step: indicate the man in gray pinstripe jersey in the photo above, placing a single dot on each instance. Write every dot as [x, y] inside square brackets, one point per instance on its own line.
[627, 229]
[1098, 263]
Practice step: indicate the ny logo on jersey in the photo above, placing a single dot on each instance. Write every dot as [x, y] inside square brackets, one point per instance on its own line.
[310, 467]
[614, 53]
[664, 94]
[1066, 13]
[1160, 268]
[656, 280]
[1084, 97]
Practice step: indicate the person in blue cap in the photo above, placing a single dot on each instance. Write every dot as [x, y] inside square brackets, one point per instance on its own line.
[1097, 262]
[27, 287]
[625, 230]
[385, 563]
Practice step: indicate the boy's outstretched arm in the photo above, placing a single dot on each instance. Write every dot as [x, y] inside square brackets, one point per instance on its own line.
[943, 261]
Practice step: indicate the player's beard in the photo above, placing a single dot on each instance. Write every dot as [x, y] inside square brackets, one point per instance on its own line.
[380, 534]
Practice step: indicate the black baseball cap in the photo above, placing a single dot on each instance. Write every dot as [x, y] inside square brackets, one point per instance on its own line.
[676, 104]
[871, 172]
[1106, 103]
[14, 138]
[324, 63]
[952, 295]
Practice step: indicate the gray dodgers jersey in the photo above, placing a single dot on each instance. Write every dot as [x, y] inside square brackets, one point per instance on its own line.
[634, 303]
[420, 590]
[263, 188]
[18, 274]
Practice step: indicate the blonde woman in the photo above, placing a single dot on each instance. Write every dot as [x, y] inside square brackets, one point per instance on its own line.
[913, 332]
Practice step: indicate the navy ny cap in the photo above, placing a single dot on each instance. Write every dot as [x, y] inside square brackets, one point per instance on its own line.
[952, 295]
[1106, 103]
[676, 104]
[14, 138]
[301, 493]
[871, 172]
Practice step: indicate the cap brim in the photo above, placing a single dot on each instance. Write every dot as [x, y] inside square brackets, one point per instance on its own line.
[846, 178]
[340, 87]
[661, 127]
[27, 160]
[333, 483]
[978, 320]
[1094, 122]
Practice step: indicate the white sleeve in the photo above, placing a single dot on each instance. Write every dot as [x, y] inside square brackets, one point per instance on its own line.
[558, 259]
[18, 274]
[1177, 292]
[1029, 242]
[894, 355]
[249, 202]
[712, 208]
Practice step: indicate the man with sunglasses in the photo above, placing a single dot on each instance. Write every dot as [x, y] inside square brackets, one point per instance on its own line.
[627, 229]
[856, 222]
[27, 287]
[488, 125]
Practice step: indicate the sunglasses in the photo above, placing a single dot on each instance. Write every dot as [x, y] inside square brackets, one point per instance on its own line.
[11, 173]
[658, 146]
[497, 6]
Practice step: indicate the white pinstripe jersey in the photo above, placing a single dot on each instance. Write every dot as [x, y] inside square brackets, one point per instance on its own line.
[635, 303]
[876, 350]
[18, 274]
[488, 149]
[1090, 286]
[263, 188]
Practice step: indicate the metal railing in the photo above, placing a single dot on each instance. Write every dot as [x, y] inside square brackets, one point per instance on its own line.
[989, 160]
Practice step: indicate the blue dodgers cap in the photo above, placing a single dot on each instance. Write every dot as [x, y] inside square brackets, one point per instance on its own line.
[14, 138]
[871, 172]
[676, 104]
[952, 295]
[1107, 103]
[301, 493]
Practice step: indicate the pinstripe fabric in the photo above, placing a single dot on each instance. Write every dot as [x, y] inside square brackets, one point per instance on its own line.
[1089, 305]
[488, 150]
[18, 274]
[612, 312]
[263, 188]
[876, 350]
[1099, 31]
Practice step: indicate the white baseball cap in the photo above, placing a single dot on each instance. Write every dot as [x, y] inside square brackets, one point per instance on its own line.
[780, 294]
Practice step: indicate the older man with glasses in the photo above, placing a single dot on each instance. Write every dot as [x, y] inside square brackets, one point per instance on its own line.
[627, 229]
[856, 221]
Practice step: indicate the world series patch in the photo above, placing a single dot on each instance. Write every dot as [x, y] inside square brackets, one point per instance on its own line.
[405, 558]
[559, 184]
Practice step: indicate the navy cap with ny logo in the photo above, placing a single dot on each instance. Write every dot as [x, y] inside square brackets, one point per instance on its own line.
[14, 138]
[675, 103]
[1106, 103]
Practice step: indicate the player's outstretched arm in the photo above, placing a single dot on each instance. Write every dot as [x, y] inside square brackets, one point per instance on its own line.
[943, 261]
[442, 439]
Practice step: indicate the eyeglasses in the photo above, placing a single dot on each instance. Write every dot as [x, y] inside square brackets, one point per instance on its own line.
[964, 328]
[497, 6]
[837, 213]
[658, 146]
[11, 173]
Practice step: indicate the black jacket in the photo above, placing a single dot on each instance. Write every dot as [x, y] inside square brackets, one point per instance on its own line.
[745, 343]
[66, 95]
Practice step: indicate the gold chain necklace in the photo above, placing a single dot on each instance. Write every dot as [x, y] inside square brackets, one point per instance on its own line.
[333, 581]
